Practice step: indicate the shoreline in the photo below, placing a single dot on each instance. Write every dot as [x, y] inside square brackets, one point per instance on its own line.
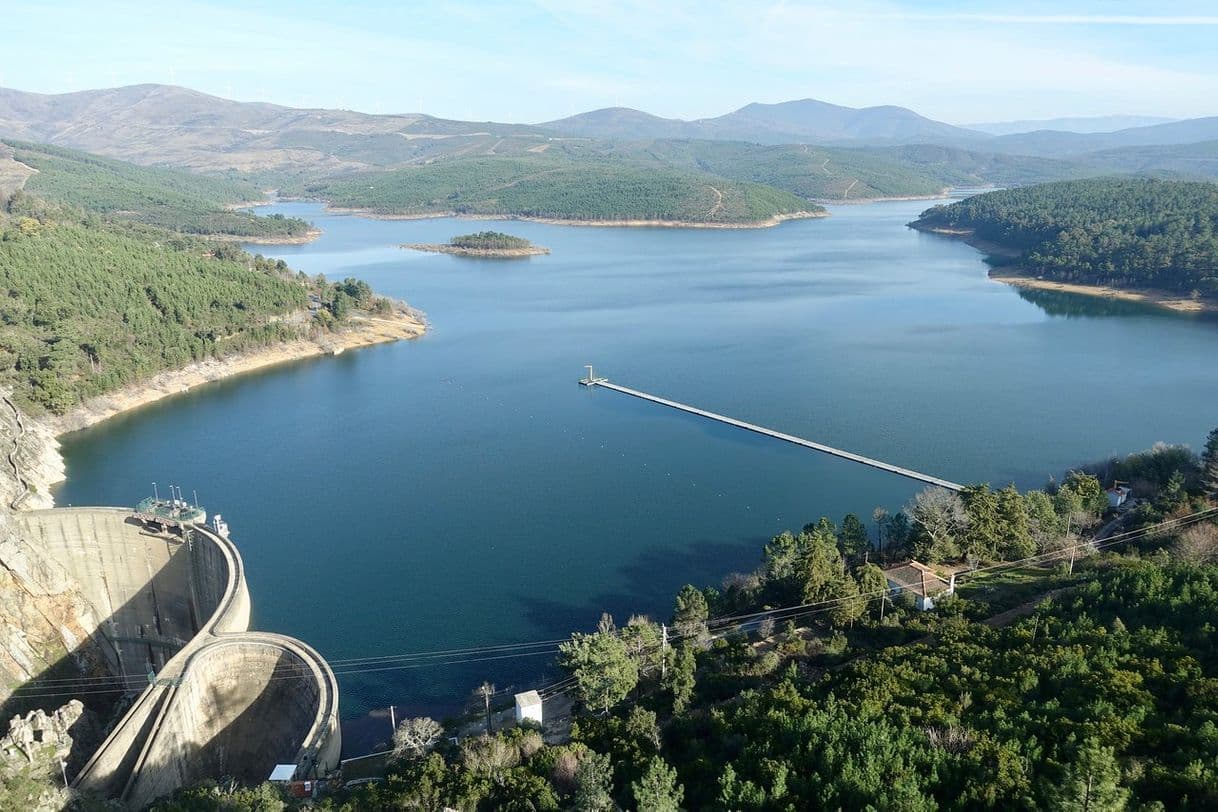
[493, 253]
[364, 331]
[968, 237]
[1176, 302]
[946, 194]
[295, 239]
[554, 221]
[1159, 298]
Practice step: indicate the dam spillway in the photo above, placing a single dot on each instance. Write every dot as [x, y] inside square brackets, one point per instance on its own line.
[224, 700]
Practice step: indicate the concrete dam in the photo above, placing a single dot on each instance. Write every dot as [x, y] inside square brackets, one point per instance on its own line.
[211, 698]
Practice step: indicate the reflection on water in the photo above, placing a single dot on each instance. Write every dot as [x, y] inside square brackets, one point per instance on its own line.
[1082, 306]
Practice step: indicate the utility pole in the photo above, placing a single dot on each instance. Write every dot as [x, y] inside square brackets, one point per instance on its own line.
[1073, 547]
[393, 721]
[487, 690]
[663, 652]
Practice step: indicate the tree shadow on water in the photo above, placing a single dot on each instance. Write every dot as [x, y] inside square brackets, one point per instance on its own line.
[652, 580]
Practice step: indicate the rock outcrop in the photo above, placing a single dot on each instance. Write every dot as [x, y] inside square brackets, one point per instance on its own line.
[38, 751]
[45, 619]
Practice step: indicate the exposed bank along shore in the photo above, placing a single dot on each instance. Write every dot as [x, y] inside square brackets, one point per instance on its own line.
[362, 331]
[1028, 279]
[291, 239]
[767, 223]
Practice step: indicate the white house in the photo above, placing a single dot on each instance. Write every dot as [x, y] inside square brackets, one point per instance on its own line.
[528, 707]
[1118, 495]
[920, 581]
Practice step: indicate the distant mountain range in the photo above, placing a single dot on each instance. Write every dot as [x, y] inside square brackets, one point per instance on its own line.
[816, 150]
[1085, 124]
[163, 124]
[815, 122]
[1066, 144]
[803, 121]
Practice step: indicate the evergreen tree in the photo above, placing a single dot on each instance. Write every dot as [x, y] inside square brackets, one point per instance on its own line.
[681, 676]
[984, 534]
[851, 606]
[1209, 465]
[872, 585]
[852, 537]
[897, 536]
[823, 569]
[604, 671]
[1016, 532]
[658, 790]
[642, 639]
[1091, 782]
[1045, 525]
[690, 614]
[1085, 491]
[594, 784]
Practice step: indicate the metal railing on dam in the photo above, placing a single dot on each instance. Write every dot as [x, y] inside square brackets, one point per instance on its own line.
[592, 381]
[228, 701]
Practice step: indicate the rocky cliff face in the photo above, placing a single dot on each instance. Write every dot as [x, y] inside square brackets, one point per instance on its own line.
[45, 620]
[31, 462]
[31, 776]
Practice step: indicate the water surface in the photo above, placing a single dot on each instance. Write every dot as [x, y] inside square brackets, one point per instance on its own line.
[462, 490]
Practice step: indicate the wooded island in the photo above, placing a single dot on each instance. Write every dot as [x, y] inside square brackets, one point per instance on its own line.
[483, 244]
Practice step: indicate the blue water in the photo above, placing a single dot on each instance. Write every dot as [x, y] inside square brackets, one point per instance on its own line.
[462, 490]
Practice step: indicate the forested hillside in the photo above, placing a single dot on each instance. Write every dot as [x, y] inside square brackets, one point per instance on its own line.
[813, 173]
[561, 189]
[193, 204]
[92, 305]
[1121, 232]
[1074, 669]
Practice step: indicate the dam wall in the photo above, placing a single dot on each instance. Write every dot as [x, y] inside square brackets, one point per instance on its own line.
[223, 701]
[218, 582]
[137, 581]
[244, 699]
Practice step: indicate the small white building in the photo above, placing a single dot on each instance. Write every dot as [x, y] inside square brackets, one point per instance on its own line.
[528, 707]
[1119, 495]
[920, 581]
[283, 773]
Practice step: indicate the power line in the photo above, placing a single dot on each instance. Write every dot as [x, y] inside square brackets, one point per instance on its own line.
[411, 660]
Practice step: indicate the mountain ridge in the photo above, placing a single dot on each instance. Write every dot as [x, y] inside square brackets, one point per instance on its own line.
[797, 121]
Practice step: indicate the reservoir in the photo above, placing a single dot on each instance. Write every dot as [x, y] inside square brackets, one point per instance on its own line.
[462, 490]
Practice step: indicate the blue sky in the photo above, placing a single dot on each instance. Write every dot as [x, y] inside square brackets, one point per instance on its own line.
[536, 60]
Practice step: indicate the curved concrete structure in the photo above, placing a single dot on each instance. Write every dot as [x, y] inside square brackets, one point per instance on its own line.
[226, 701]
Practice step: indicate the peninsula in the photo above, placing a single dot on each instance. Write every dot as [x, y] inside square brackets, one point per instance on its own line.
[1128, 238]
[106, 314]
[490, 244]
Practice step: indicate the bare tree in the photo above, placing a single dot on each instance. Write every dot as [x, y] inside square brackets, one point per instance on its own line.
[1198, 544]
[487, 754]
[416, 736]
[941, 515]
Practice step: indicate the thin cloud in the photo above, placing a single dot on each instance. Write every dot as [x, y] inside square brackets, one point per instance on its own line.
[1040, 19]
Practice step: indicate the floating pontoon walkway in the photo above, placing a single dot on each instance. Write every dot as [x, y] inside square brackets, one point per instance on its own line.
[591, 381]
